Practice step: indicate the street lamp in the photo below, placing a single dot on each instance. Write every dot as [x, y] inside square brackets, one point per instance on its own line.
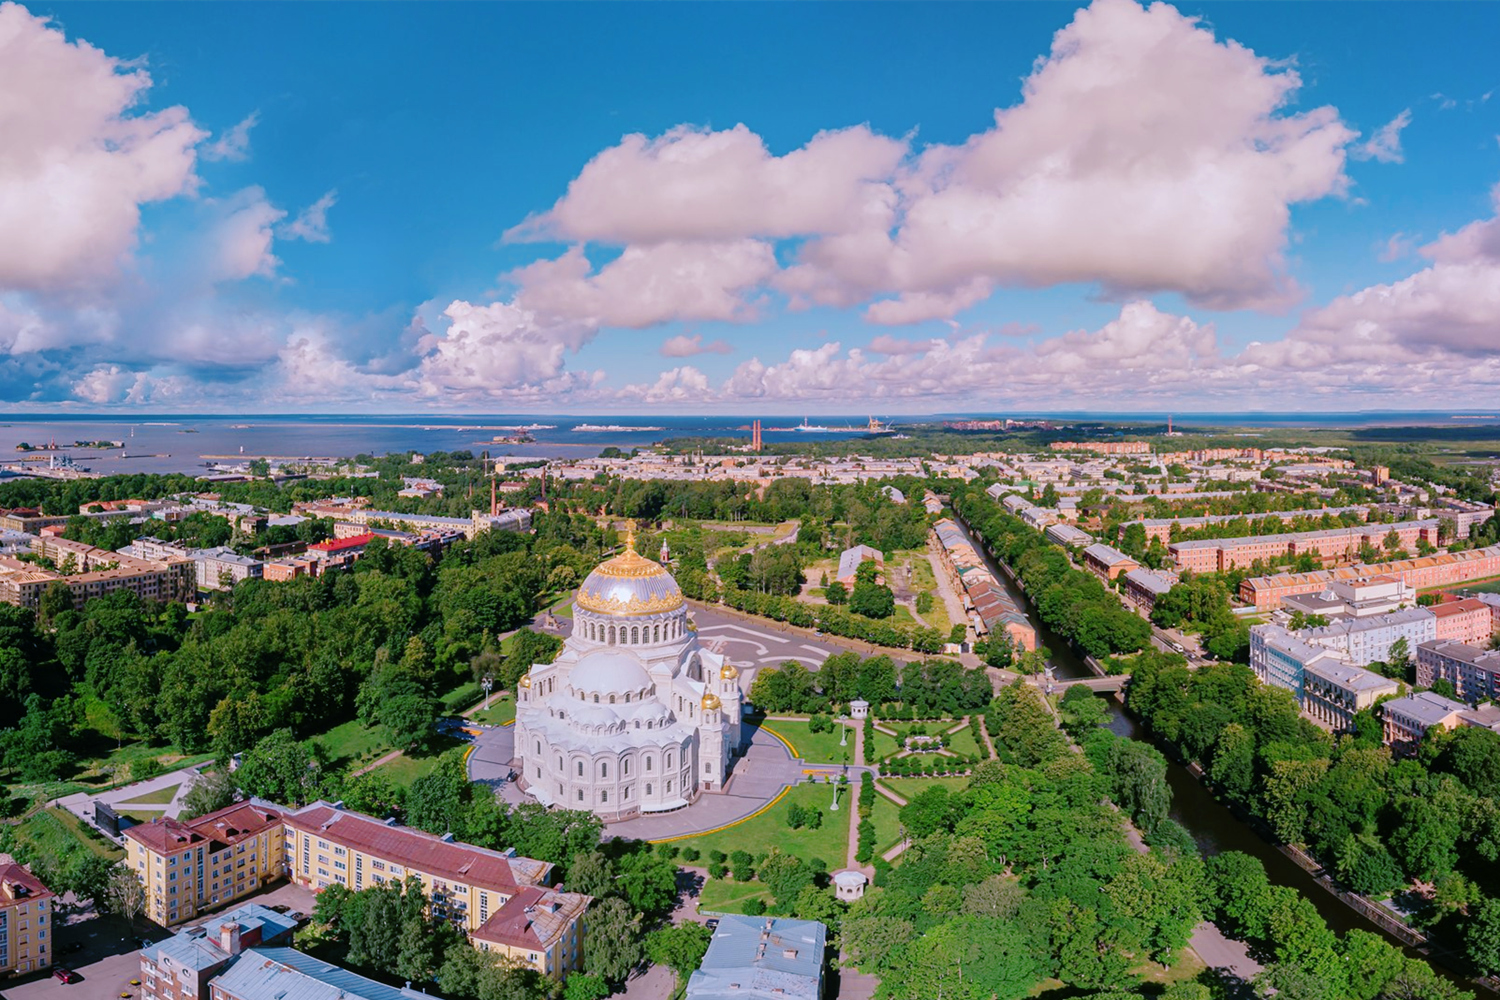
[843, 733]
[835, 784]
[487, 682]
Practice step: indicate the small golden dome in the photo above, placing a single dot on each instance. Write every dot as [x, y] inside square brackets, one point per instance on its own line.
[710, 702]
[729, 671]
[525, 681]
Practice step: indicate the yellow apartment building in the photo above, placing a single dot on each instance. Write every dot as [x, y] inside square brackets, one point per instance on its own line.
[197, 866]
[25, 919]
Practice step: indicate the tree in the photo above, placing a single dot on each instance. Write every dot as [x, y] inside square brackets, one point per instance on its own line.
[260, 468]
[681, 948]
[280, 768]
[125, 895]
[872, 600]
[411, 719]
[580, 986]
[1398, 655]
[612, 947]
[648, 882]
[211, 792]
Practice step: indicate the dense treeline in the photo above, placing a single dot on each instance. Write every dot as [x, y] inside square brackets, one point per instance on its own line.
[930, 688]
[383, 642]
[1425, 828]
[1072, 602]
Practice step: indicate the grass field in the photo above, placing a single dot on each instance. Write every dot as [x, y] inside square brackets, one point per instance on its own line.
[1482, 587]
[963, 742]
[56, 833]
[815, 748]
[885, 745]
[502, 710]
[408, 767]
[462, 697]
[160, 797]
[769, 829]
[141, 815]
[908, 787]
[887, 819]
[724, 896]
[353, 743]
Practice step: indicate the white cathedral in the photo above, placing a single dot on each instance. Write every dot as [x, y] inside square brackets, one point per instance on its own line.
[634, 716]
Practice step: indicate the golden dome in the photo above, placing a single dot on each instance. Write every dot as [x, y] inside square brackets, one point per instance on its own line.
[710, 702]
[525, 681]
[629, 584]
[729, 671]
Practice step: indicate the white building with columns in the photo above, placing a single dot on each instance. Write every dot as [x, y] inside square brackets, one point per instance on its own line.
[634, 716]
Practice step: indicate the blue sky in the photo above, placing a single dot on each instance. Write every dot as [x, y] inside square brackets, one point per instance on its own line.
[328, 207]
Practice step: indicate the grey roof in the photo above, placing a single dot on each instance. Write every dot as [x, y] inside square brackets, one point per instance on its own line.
[197, 947]
[1345, 626]
[224, 554]
[1425, 707]
[760, 958]
[287, 974]
[1148, 580]
[1348, 676]
[1106, 554]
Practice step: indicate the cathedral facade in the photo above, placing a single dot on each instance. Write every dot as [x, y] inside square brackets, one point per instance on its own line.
[634, 716]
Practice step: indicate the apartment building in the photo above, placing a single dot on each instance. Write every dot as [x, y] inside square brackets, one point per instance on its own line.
[181, 967]
[1326, 545]
[1405, 721]
[217, 565]
[1468, 621]
[479, 890]
[1333, 692]
[1365, 640]
[288, 974]
[1106, 562]
[1444, 569]
[1378, 595]
[1473, 672]
[191, 867]
[1145, 587]
[1280, 658]
[755, 957]
[25, 919]
[1068, 536]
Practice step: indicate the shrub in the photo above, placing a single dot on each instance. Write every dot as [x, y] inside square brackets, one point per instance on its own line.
[691, 854]
[755, 907]
[717, 869]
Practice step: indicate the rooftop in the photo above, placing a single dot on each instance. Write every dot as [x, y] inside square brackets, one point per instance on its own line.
[533, 918]
[287, 974]
[761, 957]
[222, 827]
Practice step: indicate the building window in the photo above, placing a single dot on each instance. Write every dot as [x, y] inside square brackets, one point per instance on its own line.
[648, 763]
[626, 765]
[603, 769]
[708, 769]
[604, 796]
[580, 768]
[580, 795]
[648, 788]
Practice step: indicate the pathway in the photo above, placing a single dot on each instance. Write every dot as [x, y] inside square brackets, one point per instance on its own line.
[951, 600]
[376, 763]
[859, 754]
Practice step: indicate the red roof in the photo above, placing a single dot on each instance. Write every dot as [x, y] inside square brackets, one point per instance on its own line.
[1466, 606]
[20, 885]
[340, 544]
[223, 827]
[533, 918]
[402, 845]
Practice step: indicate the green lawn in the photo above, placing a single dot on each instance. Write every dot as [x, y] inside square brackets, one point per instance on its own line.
[501, 711]
[887, 819]
[815, 748]
[829, 842]
[462, 697]
[353, 744]
[909, 787]
[160, 797]
[963, 742]
[885, 745]
[1482, 587]
[721, 895]
[55, 833]
[408, 768]
[103, 766]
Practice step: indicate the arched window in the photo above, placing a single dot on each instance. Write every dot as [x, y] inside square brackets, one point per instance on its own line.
[649, 761]
[580, 768]
[627, 791]
[603, 796]
[603, 769]
[611, 699]
[538, 746]
[580, 795]
[611, 635]
[627, 697]
[648, 788]
[656, 631]
[635, 636]
[669, 761]
[596, 699]
[627, 767]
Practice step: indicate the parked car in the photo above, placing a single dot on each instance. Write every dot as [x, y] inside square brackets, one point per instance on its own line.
[65, 975]
[298, 916]
[280, 908]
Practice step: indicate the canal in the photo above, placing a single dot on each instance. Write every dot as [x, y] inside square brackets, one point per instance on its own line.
[1209, 822]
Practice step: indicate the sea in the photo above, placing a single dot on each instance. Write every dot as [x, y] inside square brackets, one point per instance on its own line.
[192, 443]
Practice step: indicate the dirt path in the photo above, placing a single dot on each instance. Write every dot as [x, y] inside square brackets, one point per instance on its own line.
[376, 763]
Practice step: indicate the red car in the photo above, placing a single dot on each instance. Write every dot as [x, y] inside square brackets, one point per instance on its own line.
[65, 975]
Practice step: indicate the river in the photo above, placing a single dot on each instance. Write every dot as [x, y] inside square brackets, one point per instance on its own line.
[1209, 822]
